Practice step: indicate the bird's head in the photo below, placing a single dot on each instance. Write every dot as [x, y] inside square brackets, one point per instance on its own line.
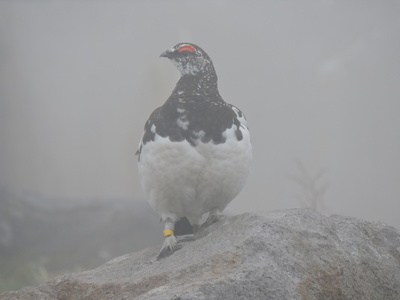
[189, 59]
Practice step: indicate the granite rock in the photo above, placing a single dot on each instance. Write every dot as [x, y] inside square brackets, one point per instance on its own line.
[290, 254]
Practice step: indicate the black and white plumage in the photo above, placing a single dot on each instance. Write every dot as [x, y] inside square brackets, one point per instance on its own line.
[195, 153]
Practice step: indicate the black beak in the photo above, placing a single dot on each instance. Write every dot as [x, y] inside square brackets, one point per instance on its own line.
[167, 54]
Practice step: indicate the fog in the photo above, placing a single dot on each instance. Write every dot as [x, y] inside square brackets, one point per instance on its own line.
[319, 82]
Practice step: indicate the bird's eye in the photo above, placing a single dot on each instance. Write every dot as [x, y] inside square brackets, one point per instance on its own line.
[185, 47]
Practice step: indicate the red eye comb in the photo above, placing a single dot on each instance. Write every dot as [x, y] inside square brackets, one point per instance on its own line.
[189, 48]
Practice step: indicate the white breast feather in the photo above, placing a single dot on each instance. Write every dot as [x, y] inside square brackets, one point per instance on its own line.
[182, 180]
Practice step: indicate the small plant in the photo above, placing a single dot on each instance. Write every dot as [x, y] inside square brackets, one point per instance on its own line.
[313, 187]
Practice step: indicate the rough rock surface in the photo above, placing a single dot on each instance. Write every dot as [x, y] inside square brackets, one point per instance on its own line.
[41, 236]
[292, 254]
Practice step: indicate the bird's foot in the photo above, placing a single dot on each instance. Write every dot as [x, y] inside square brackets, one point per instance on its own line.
[169, 247]
[196, 228]
[213, 217]
[185, 238]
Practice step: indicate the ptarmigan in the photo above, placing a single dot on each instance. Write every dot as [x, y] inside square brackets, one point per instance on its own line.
[195, 153]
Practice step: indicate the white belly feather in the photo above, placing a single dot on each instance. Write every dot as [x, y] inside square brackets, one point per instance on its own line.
[182, 180]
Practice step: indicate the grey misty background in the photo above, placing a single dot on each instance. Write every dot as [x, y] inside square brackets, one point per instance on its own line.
[319, 82]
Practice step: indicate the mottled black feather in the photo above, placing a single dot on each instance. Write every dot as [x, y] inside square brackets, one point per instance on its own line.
[195, 111]
[203, 115]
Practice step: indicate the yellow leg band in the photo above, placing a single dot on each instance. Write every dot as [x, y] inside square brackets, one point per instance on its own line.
[168, 232]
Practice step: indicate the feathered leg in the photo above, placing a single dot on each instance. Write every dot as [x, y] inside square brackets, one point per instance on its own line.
[212, 217]
[169, 245]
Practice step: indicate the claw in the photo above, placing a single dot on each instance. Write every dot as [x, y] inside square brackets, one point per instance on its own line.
[169, 247]
[213, 217]
[170, 242]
